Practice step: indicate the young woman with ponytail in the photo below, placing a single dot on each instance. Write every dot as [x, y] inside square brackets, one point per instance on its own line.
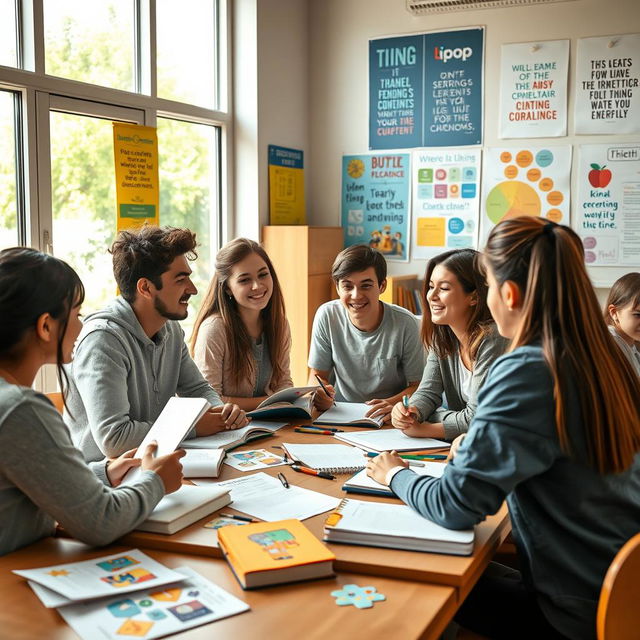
[556, 433]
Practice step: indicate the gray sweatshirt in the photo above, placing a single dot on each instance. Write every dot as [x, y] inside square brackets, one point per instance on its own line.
[120, 380]
[441, 380]
[43, 479]
[568, 521]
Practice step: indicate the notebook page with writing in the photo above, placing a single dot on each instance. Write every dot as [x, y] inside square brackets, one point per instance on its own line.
[332, 458]
[389, 440]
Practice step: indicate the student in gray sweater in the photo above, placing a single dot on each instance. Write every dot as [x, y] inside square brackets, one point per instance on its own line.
[462, 343]
[131, 357]
[556, 433]
[43, 478]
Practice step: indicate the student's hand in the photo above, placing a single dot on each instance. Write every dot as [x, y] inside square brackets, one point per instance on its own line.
[378, 467]
[379, 408]
[234, 417]
[404, 417]
[323, 401]
[455, 445]
[117, 468]
[168, 467]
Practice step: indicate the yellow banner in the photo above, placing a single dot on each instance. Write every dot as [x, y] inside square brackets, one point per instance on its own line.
[135, 150]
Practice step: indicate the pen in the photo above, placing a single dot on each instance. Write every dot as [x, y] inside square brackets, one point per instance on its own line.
[313, 472]
[321, 428]
[405, 402]
[323, 432]
[324, 388]
[235, 517]
[406, 456]
[285, 482]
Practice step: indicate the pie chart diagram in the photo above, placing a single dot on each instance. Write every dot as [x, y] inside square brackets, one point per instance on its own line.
[512, 199]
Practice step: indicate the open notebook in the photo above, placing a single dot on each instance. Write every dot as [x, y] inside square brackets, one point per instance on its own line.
[362, 483]
[395, 526]
[389, 440]
[332, 458]
[351, 414]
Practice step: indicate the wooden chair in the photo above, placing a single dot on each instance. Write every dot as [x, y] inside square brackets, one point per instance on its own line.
[56, 398]
[618, 609]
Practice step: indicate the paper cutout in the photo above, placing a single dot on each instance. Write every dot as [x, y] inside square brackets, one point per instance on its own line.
[359, 597]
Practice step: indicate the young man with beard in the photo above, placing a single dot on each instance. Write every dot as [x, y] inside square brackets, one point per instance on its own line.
[131, 357]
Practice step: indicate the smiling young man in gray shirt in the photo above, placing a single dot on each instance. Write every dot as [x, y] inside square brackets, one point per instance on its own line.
[131, 357]
[368, 349]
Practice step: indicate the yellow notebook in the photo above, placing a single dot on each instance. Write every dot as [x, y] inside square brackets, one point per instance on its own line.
[265, 553]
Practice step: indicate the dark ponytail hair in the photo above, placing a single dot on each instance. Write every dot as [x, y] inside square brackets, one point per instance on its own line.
[33, 283]
[560, 309]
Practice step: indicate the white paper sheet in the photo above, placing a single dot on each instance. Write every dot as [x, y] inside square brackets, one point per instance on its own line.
[154, 613]
[389, 440]
[263, 496]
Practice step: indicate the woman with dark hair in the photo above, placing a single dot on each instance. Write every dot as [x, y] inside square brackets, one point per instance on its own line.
[622, 315]
[43, 477]
[241, 339]
[462, 343]
[556, 433]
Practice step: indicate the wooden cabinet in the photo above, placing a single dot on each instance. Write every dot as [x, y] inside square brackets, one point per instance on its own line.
[302, 257]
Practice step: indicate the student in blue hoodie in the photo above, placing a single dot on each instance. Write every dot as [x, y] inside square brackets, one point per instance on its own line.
[131, 356]
[556, 433]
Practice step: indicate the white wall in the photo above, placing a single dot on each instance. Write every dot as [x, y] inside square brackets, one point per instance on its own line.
[340, 31]
[271, 98]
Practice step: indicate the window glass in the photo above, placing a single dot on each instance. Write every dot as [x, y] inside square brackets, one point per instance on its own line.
[8, 190]
[8, 53]
[186, 52]
[83, 201]
[91, 41]
[189, 193]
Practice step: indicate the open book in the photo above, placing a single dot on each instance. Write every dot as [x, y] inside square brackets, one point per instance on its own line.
[351, 414]
[395, 526]
[295, 403]
[234, 438]
[389, 440]
[362, 483]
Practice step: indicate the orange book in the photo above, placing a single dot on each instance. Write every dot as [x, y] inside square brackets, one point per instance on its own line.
[265, 553]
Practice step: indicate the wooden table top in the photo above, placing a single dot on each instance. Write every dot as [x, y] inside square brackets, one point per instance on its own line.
[306, 609]
[460, 572]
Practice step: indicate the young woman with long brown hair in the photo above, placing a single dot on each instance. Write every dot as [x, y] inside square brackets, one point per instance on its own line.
[241, 339]
[622, 315]
[462, 342]
[556, 433]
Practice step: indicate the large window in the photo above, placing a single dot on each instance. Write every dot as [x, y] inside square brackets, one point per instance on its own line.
[68, 69]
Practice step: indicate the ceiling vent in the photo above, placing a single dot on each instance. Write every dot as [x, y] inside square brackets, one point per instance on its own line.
[422, 7]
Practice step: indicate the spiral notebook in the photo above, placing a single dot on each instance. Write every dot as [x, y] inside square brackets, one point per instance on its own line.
[332, 458]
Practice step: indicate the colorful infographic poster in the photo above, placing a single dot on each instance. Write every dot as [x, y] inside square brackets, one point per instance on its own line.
[608, 85]
[286, 186]
[446, 200]
[375, 202]
[608, 207]
[426, 90]
[453, 88]
[135, 151]
[525, 181]
[533, 89]
[396, 76]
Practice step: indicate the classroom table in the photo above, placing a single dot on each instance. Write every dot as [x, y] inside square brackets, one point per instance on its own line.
[302, 610]
[460, 572]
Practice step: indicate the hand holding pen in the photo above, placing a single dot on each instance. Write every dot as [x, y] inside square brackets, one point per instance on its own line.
[325, 396]
[403, 415]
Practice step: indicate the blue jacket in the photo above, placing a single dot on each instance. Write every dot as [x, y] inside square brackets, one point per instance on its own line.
[568, 521]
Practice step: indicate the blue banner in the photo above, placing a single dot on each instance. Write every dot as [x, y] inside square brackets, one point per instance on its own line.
[375, 202]
[453, 88]
[426, 90]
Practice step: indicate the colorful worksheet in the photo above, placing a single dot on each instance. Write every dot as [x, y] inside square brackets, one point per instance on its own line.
[115, 574]
[154, 613]
[446, 200]
[525, 181]
[253, 459]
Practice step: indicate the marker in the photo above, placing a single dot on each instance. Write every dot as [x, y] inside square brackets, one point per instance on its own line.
[324, 388]
[312, 472]
[373, 454]
[323, 432]
[233, 516]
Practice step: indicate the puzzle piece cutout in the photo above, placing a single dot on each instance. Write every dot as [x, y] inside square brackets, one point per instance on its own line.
[360, 597]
